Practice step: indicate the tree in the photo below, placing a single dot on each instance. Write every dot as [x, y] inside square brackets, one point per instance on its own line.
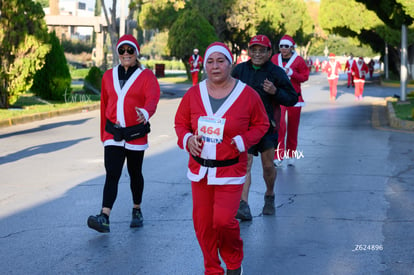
[44, 3]
[190, 30]
[236, 21]
[112, 28]
[23, 47]
[157, 47]
[371, 22]
[53, 81]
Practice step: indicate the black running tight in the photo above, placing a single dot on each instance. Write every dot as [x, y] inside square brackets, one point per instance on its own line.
[114, 162]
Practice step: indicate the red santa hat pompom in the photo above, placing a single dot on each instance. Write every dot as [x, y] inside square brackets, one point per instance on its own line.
[218, 47]
[129, 40]
[287, 40]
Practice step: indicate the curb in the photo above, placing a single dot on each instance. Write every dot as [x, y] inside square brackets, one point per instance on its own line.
[45, 115]
[396, 122]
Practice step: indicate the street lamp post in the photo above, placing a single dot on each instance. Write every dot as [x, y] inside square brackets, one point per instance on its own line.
[404, 71]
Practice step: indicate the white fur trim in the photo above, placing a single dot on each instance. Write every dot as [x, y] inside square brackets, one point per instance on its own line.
[285, 42]
[220, 49]
[130, 44]
[239, 143]
[185, 140]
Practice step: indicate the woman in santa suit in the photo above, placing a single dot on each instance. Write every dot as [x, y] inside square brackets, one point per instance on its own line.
[298, 72]
[216, 122]
[332, 69]
[129, 97]
[359, 70]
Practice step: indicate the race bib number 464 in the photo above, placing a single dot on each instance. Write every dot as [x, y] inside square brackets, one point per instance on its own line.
[211, 129]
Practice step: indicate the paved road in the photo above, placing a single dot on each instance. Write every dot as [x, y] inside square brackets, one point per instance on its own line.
[345, 208]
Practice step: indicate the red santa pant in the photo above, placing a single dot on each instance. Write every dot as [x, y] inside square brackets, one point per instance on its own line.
[217, 230]
[333, 83]
[292, 119]
[194, 76]
[359, 87]
[350, 79]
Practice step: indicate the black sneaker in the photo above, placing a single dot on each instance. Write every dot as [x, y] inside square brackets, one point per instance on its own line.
[137, 218]
[238, 271]
[99, 222]
[243, 213]
[269, 206]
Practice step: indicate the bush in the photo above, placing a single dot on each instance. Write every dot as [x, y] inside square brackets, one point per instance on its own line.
[169, 64]
[92, 82]
[53, 81]
[76, 47]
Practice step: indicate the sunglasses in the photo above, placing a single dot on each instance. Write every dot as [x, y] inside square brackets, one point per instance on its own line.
[121, 51]
[258, 51]
[284, 46]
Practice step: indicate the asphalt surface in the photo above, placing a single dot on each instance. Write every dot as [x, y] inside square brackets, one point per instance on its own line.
[346, 207]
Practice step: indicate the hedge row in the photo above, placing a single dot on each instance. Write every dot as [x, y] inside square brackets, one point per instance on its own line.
[169, 64]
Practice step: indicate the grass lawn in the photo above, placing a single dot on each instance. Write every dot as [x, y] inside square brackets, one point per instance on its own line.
[29, 104]
[405, 111]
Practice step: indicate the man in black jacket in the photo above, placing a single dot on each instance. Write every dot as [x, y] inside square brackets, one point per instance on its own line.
[275, 89]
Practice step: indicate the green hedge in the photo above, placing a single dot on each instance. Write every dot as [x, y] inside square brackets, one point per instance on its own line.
[169, 64]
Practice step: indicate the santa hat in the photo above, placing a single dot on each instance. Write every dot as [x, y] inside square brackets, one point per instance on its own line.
[218, 47]
[128, 40]
[361, 58]
[244, 52]
[331, 55]
[260, 40]
[287, 40]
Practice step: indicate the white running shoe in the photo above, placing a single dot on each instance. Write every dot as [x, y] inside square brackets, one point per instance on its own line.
[278, 162]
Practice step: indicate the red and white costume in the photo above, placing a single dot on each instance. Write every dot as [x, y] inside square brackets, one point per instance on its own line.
[217, 191]
[195, 65]
[332, 69]
[317, 65]
[348, 67]
[309, 63]
[243, 123]
[118, 105]
[129, 96]
[359, 71]
[243, 57]
[298, 73]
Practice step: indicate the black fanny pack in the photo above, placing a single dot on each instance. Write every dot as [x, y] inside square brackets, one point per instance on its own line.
[215, 163]
[127, 133]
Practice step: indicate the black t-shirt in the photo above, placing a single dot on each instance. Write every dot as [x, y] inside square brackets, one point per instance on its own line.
[123, 75]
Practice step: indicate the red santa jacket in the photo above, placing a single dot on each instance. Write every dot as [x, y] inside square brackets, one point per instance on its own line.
[245, 122]
[332, 69]
[299, 72]
[359, 71]
[118, 105]
[349, 64]
[195, 62]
